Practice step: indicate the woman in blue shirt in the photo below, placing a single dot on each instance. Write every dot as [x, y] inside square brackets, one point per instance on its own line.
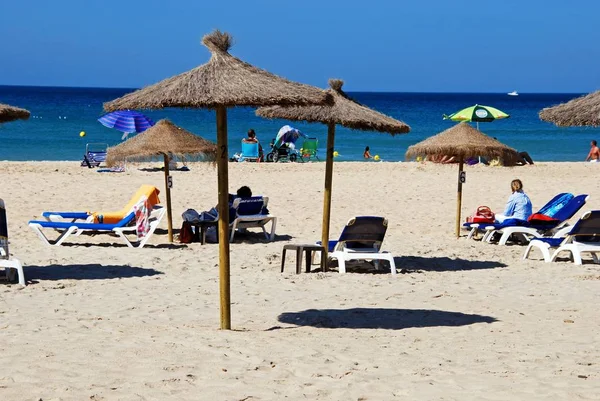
[518, 206]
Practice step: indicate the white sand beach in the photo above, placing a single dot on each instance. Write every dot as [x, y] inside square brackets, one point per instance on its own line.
[465, 320]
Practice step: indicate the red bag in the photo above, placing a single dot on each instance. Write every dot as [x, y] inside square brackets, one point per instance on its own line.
[186, 234]
[483, 214]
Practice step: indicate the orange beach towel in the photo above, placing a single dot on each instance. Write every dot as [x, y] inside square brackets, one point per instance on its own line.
[148, 191]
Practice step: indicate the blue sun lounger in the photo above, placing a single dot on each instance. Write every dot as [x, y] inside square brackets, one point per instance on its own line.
[528, 229]
[361, 239]
[95, 154]
[127, 224]
[476, 227]
[251, 213]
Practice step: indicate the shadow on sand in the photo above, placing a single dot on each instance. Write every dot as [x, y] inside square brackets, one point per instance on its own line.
[415, 264]
[408, 264]
[380, 318]
[174, 245]
[250, 237]
[86, 272]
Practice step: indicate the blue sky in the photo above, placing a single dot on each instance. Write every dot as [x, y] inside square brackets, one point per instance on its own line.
[376, 45]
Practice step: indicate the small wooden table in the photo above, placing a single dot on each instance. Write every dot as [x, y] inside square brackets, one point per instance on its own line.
[306, 248]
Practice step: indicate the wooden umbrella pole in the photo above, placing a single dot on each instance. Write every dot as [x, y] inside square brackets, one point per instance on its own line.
[459, 199]
[223, 207]
[327, 193]
[168, 192]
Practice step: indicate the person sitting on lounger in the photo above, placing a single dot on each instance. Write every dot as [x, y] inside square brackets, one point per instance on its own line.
[243, 192]
[518, 206]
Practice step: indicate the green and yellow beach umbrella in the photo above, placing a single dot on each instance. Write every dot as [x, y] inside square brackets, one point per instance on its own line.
[477, 113]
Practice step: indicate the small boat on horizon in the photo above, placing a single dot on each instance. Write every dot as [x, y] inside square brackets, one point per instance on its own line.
[513, 93]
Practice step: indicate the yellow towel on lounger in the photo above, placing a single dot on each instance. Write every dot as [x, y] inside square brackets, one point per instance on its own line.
[148, 191]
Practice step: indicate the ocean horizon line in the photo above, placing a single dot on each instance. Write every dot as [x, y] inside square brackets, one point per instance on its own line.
[351, 91]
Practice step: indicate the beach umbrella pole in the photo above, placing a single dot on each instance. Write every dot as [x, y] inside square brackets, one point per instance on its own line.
[327, 192]
[223, 207]
[168, 192]
[459, 198]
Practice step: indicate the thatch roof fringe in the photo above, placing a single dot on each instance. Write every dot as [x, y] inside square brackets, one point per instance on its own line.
[223, 81]
[582, 111]
[218, 41]
[344, 111]
[163, 138]
[463, 141]
[11, 113]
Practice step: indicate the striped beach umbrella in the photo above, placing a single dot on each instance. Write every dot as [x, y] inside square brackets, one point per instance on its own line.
[126, 121]
[477, 113]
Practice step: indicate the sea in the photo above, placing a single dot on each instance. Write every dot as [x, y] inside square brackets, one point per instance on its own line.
[60, 114]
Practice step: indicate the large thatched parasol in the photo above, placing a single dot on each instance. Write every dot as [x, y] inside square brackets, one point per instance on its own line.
[224, 81]
[344, 111]
[163, 139]
[11, 113]
[582, 111]
[462, 141]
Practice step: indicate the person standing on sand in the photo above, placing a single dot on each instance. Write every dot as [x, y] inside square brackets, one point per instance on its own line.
[594, 155]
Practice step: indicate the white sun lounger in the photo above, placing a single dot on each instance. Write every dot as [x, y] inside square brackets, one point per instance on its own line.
[11, 265]
[248, 214]
[583, 237]
[361, 239]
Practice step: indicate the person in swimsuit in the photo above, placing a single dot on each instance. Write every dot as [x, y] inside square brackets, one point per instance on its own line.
[594, 155]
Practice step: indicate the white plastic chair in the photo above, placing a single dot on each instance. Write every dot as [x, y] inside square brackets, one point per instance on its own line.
[248, 215]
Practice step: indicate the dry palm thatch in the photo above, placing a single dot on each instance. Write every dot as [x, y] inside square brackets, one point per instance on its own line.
[223, 81]
[163, 138]
[11, 113]
[583, 111]
[344, 111]
[463, 141]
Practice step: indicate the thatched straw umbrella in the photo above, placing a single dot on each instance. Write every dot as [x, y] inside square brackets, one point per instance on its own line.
[163, 139]
[11, 113]
[224, 81]
[582, 111]
[344, 111]
[462, 141]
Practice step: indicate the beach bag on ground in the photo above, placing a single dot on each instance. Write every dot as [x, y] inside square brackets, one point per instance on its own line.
[186, 234]
[483, 214]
